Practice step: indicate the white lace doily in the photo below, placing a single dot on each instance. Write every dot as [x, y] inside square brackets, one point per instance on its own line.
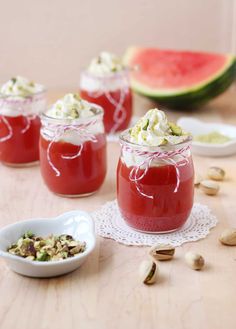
[110, 224]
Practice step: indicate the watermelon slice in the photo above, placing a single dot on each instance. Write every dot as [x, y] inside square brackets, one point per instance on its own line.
[179, 78]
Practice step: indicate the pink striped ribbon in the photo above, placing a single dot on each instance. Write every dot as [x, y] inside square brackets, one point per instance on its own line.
[59, 130]
[119, 114]
[167, 156]
[28, 119]
[21, 107]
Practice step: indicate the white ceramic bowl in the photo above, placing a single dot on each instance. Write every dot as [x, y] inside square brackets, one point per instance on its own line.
[197, 127]
[76, 223]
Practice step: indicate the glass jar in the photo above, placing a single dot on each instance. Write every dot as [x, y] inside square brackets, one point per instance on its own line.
[20, 128]
[112, 92]
[73, 154]
[155, 185]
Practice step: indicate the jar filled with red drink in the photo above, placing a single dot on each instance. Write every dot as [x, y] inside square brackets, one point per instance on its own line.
[73, 147]
[155, 175]
[106, 83]
[21, 103]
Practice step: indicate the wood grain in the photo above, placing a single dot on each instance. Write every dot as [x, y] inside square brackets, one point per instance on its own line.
[106, 291]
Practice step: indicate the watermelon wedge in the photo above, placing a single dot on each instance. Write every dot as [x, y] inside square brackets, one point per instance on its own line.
[179, 79]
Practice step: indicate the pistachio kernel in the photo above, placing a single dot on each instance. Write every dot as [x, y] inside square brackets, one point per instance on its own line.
[176, 130]
[162, 252]
[51, 248]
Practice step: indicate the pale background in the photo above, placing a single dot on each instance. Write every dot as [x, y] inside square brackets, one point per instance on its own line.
[50, 41]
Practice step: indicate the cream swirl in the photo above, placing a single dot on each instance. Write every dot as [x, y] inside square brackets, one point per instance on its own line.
[154, 129]
[105, 63]
[20, 87]
[71, 106]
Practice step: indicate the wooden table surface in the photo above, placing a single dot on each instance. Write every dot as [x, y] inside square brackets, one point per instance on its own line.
[106, 291]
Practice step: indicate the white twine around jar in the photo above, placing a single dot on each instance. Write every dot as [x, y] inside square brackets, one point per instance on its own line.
[20, 102]
[119, 114]
[58, 130]
[9, 127]
[22, 108]
[135, 174]
[10, 130]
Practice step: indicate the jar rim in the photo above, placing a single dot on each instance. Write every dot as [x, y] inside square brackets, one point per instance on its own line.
[19, 98]
[108, 76]
[99, 114]
[123, 138]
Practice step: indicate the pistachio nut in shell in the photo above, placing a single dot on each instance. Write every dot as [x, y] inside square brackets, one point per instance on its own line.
[194, 260]
[148, 271]
[216, 173]
[197, 179]
[162, 252]
[209, 187]
[228, 237]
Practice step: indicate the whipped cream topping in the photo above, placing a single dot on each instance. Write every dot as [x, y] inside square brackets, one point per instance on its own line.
[21, 87]
[106, 73]
[20, 96]
[154, 129]
[71, 106]
[105, 63]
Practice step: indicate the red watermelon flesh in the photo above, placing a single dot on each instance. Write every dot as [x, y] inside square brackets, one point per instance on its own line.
[166, 69]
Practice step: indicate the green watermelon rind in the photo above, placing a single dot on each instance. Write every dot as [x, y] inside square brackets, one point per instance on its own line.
[193, 96]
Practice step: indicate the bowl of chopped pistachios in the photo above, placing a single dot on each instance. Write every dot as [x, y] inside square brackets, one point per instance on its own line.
[209, 138]
[48, 247]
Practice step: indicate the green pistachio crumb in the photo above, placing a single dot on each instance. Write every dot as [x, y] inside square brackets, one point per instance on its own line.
[146, 125]
[51, 248]
[176, 130]
[28, 234]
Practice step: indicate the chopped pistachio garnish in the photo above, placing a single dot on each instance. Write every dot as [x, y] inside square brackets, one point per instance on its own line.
[146, 125]
[105, 63]
[154, 129]
[176, 130]
[214, 137]
[21, 87]
[51, 248]
[71, 106]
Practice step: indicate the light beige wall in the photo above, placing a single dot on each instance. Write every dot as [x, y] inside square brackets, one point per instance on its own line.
[51, 40]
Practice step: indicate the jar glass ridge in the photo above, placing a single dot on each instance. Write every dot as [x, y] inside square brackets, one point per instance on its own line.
[155, 185]
[112, 92]
[73, 154]
[19, 128]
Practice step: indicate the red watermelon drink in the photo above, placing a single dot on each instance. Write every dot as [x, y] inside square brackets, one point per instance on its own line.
[73, 147]
[155, 175]
[106, 83]
[21, 102]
